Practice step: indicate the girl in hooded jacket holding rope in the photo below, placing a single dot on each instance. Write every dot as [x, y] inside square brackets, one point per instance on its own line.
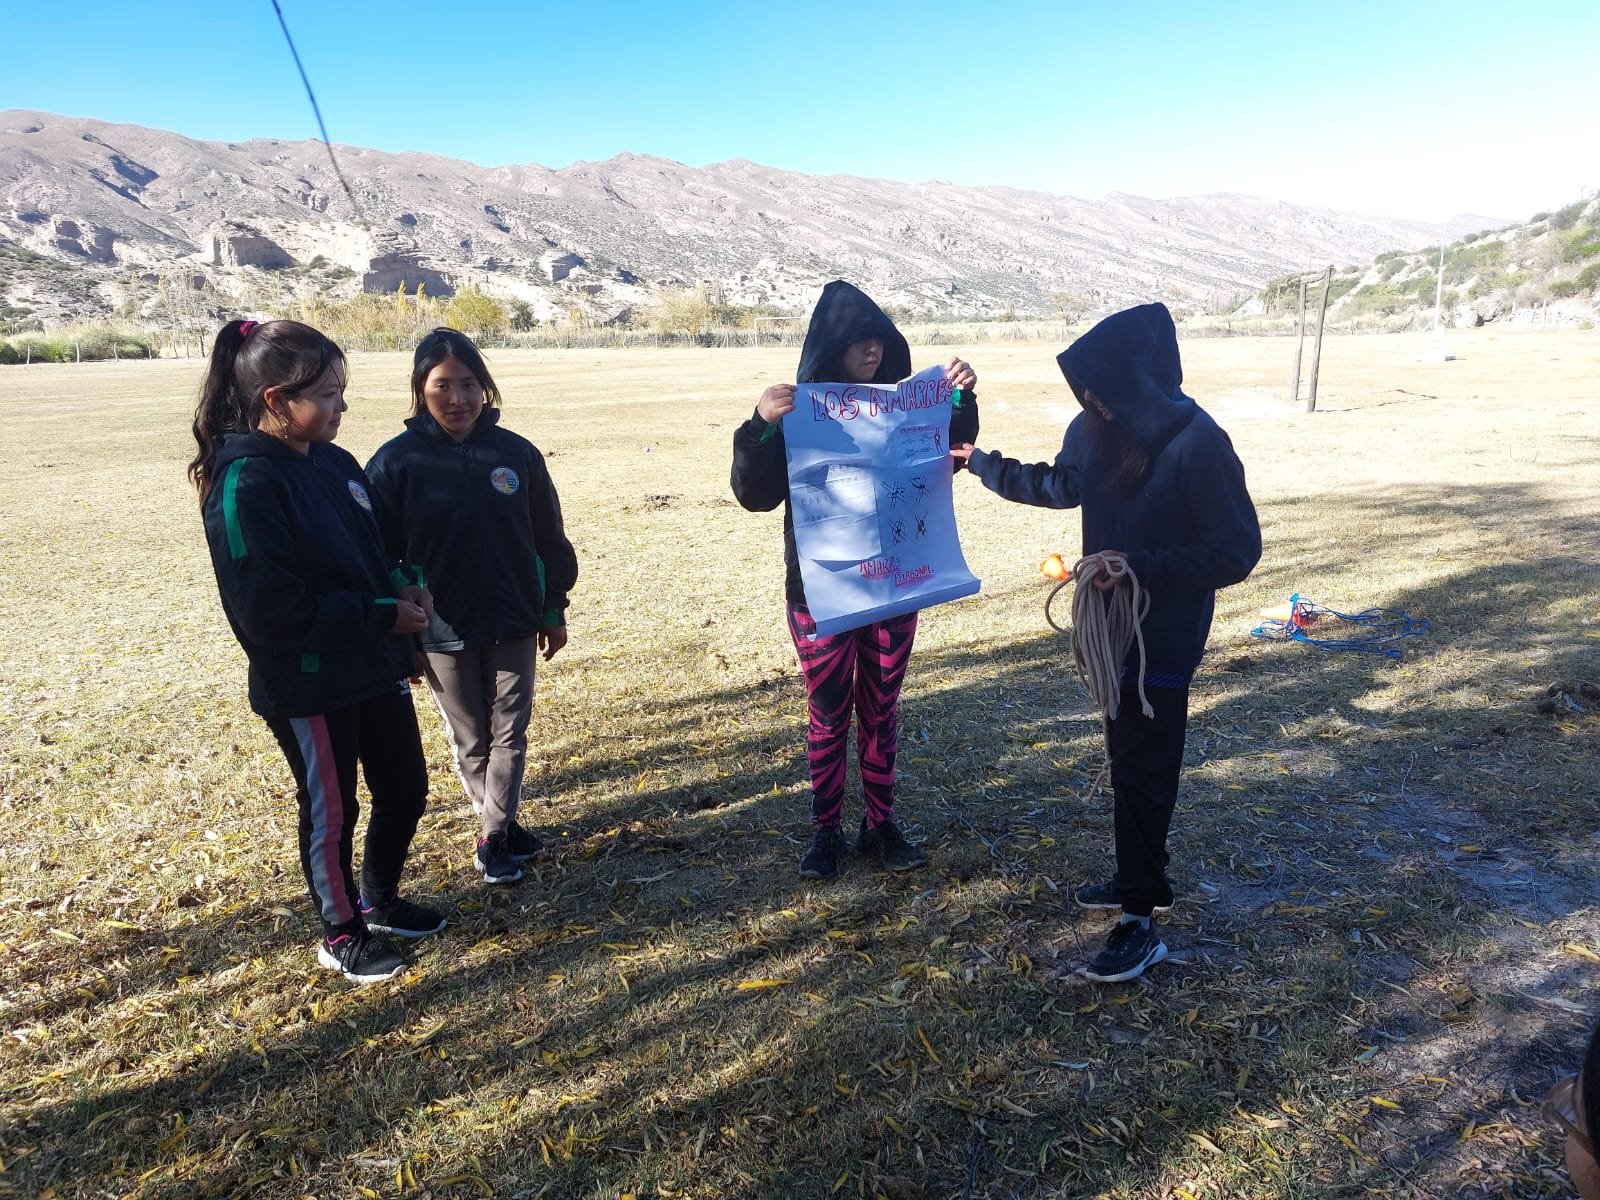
[1164, 502]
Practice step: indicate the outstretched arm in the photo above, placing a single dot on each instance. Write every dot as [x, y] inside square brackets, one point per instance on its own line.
[1047, 485]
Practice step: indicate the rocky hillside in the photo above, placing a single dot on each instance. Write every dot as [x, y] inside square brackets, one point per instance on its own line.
[98, 218]
[1544, 272]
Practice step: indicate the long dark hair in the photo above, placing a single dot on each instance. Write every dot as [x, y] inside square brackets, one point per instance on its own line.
[1113, 445]
[439, 345]
[246, 359]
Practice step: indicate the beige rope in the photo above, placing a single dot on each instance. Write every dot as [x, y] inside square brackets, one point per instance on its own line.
[1105, 626]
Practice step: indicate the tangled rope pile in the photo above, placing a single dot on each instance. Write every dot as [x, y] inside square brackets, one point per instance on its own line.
[1105, 626]
[1374, 628]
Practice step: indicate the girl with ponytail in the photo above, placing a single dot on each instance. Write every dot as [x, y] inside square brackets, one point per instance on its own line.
[326, 625]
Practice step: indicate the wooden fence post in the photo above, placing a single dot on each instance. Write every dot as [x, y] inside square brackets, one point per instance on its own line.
[1316, 353]
[1299, 345]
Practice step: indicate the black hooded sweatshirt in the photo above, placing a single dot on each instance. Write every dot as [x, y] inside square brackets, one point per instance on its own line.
[843, 316]
[1189, 527]
[305, 582]
[480, 517]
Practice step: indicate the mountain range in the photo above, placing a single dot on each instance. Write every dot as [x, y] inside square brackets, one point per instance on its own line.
[94, 216]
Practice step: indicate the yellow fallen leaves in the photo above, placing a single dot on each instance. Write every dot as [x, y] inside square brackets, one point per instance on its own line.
[756, 985]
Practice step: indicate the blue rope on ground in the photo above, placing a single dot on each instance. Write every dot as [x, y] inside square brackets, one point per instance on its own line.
[1379, 626]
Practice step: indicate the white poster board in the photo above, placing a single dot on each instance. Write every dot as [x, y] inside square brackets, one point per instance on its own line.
[870, 497]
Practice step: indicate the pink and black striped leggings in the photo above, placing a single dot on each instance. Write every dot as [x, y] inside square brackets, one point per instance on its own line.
[860, 669]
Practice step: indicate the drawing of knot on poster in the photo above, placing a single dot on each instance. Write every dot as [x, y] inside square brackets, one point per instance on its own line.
[871, 500]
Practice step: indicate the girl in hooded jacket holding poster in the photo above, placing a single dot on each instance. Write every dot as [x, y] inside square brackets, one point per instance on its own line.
[849, 340]
[1162, 489]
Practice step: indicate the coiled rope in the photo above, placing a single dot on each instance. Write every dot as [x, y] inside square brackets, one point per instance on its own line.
[1106, 625]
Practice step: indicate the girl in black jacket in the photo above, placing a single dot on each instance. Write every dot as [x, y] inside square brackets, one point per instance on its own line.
[1162, 490]
[307, 588]
[472, 504]
[849, 340]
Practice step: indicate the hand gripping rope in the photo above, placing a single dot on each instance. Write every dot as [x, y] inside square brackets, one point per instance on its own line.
[1105, 626]
[1379, 626]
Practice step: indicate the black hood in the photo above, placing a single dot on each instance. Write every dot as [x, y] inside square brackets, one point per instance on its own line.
[843, 316]
[1130, 362]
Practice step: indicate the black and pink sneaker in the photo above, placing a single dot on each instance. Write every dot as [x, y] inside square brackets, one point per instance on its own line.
[495, 862]
[361, 956]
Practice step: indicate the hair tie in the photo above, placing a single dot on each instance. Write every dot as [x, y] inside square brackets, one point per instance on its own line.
[245, 327]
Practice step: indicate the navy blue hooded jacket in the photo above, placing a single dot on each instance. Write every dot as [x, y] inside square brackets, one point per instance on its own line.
[1189, 527]
[481, 519]
[843, 316]
[304, 578]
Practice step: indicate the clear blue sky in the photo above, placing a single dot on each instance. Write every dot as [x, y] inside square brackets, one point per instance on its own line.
[1403, 109]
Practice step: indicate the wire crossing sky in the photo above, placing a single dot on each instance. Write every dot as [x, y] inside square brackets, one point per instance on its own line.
[1419, 110]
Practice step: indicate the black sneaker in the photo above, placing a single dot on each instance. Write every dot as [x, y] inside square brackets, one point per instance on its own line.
[524, 844]
[402, 918]
[888, 845]
[495, 862]
[362, 956]
[1104, 895]
[1128, 951]
[828, 849]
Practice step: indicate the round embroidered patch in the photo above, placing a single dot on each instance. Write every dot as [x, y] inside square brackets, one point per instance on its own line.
[359, 495]
[505, 480]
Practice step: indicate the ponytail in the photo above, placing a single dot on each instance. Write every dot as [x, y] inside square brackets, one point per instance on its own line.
[246, 359]
[219, 411]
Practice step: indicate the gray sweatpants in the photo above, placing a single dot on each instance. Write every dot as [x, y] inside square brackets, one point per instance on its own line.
[485, 694]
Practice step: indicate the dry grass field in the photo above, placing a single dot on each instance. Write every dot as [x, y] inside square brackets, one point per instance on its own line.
[1386, 943]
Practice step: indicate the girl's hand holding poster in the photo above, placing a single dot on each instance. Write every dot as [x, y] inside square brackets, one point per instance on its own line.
[870, 495]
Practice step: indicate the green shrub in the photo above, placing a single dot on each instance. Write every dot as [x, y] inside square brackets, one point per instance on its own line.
[1281, 294]
[38, 347]
[1589, 278]
[9, 354]
[1561, 289]
[1579, 244]
[101, 343]
[1341, 286]
[1463, 262]
[1377, 299]
[1566, 218]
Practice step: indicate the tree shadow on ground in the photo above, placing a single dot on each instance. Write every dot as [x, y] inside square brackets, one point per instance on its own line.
[1378, 866]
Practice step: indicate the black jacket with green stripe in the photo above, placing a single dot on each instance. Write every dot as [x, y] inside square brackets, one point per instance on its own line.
[480, 517]
[305, 581]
